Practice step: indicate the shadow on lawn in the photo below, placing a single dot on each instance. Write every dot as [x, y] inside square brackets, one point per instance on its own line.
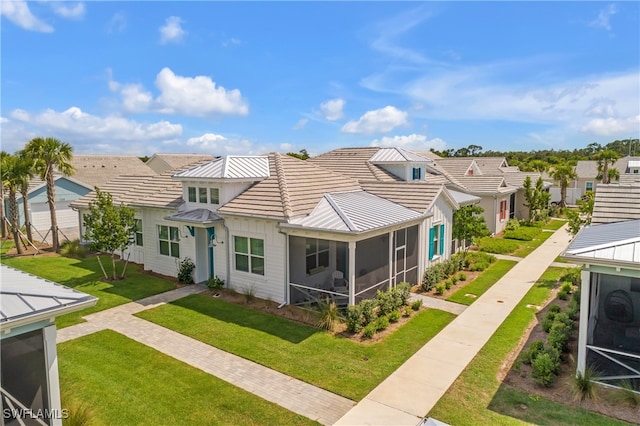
[220, 310]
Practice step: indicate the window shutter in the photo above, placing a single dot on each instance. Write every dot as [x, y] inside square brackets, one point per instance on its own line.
[441, 239]
[432, 232]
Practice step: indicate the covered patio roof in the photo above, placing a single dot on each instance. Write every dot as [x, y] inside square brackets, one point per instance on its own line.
[608, 243]
[196, 216]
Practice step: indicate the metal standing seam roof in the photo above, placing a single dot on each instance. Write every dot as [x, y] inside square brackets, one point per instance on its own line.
[27, 298]
[463, 199]
[633, 163]
[355, 211]
[230, 167]
[619, 242]
[199, 216]
[397, 155]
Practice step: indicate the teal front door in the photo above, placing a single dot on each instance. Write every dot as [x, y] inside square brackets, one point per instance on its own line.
[211, 238]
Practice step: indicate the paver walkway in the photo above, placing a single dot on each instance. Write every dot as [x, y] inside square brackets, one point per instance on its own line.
[416, 386]
[518, 259]
[293, 394]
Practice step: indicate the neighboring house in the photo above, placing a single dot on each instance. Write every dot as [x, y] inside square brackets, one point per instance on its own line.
[161, 163]
[29, 364]
[587, 172]
[616, 202]
[609, 334]
[289, 230]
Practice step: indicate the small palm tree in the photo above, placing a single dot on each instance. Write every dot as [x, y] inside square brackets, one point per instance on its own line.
[24, 173]
[11, 180]
[605, 159]
[48, 155]
[3, 215]
[538, 166]
[613, 174]
[563, 174]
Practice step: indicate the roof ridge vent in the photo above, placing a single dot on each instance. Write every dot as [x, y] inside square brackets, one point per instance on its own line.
[282, 183]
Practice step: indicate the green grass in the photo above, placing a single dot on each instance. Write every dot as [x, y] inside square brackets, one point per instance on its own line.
[337, 364]
[85, 275]
[526, 247]
[477, 397]
[5, 246]
[555, 224]
[127, 383]
[498, 245]
[483, 282]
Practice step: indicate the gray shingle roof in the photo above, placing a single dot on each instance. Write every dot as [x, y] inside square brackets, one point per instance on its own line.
[587, 169]
[616, 203]
[619, 242]
[26, 298]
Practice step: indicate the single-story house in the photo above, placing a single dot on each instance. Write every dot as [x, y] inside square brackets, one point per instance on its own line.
[289, 230]
[30, 386]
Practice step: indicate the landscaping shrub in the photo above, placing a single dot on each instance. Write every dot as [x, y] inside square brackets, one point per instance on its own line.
[534, 349]
[497, 245]
[563, 295]
[627, 394]
[462, 276]
[448, 283]
[572, 275]
[567, 287]
[554, 308]
[215, 283]
[479, 267]
[547, 321]
[479, 256]
[368, 310]
[185, 271]
[525, 233]
[406, 312]
[328, 316]
[403, 291]
[382, 323]
[416, 304]
[573, 309]
[449, 267]
[394, 316]
[559, 336]
[249, 294]
[354, 319]
[440, 289]
[385, 301]
[369, 330]
[73, 249]
[512, 225]
[543, 369]
[458, 261]
[454, 279]
[583, 387]
[430, 279]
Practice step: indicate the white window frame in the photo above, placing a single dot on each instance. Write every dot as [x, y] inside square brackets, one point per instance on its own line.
[192, 190]
[250, 255]
[586, 185]
[138, 233]
[173, 240]
[213, 191]
[316, 254]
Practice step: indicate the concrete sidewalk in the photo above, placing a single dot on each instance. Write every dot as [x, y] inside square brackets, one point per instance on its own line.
[415, 387]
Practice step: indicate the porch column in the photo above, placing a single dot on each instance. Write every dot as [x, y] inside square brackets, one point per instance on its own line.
[53, 379]
[583, 327]
[392, 255]
[352, 272]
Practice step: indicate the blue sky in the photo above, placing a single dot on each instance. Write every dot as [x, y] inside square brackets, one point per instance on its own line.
[248, 78]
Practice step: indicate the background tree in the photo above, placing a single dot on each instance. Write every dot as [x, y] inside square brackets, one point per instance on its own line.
[49, 155]
[109, 228]
[577, 219]
[563, 174]
[468, 223]
[613, 175]
[538, 166]
[3, 214]
[11, 180]
[605, 159]
[302, 155]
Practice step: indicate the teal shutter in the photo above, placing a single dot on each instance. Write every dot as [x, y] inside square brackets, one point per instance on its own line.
[441, 239]
[432, 232]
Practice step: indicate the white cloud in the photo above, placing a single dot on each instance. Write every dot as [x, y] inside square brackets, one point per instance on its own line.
[300, 124]
[117, 23]
[604, 18]
[219, 145]
[612, 126]
[88, 132]
[67, 10]
[332, 109]
[171, 31]
[193, 96]
[18, 12]
[378, 121]
[208, 141]
[231, 42]
[412, 141]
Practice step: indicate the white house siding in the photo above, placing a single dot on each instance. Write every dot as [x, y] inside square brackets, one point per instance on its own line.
[442, 215]
[272, 285]
[491, 208]
[226, 192]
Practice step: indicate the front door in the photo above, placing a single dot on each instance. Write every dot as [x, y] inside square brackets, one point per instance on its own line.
[211, 238]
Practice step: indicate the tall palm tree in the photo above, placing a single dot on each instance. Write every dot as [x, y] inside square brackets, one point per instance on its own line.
[24, 173]
[49, 154]
[3, 215]
[605, 159]
[11, 180]
[563, 173]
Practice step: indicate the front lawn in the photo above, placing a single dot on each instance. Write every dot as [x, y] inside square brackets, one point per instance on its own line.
[555, 224]
[482, 283]
[127, 383]
[337, 364]
[85, 275]
[477, 396]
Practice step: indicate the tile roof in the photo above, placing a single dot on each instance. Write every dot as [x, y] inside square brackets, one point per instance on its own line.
[587, 169]
[456, 166]
[480, 184]
[229, 167]
[26, 298]
[293, 188]
[175, 161]
[418, 196]
[96, 170]
[354, 211]
[517, 178]
[623, 164]
[427, 154]
[616, 203]
[353, 162]
[491, 164]
[619, 242]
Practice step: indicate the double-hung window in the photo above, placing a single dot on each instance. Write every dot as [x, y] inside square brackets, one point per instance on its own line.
[503, 210]
[214, 196]
[317, 252]
[588, 186]
[169, 240]
[436, 241]
[249, 254]
[138, 232]
[192, 194]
